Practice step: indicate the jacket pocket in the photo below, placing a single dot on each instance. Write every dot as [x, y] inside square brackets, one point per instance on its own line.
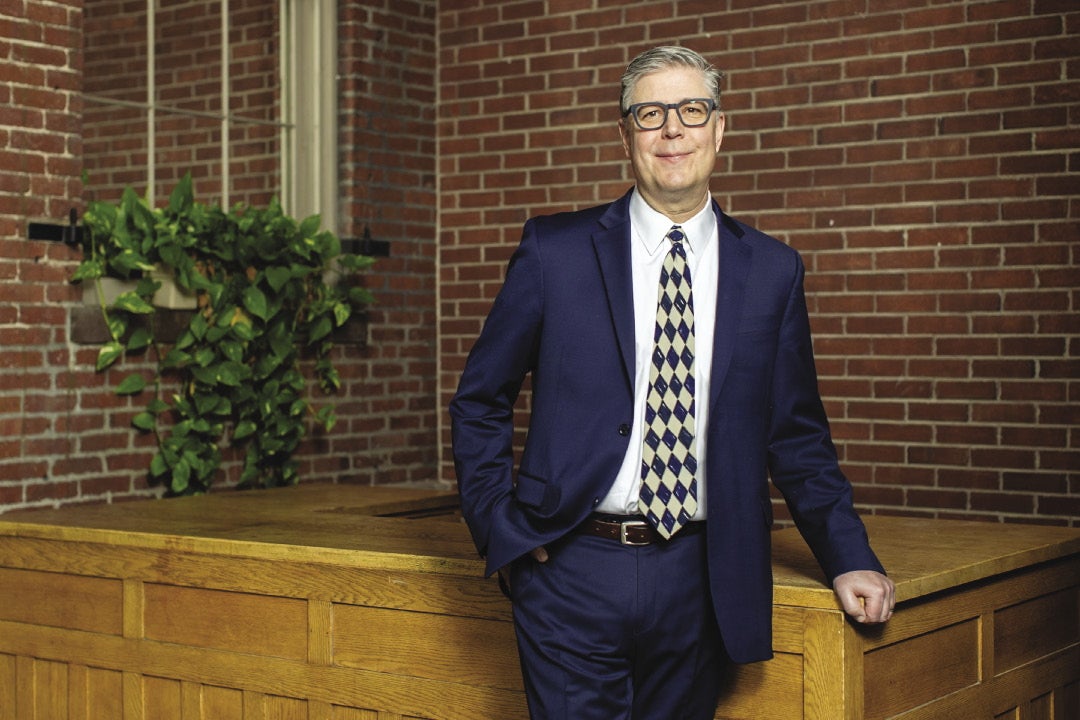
[537, 493]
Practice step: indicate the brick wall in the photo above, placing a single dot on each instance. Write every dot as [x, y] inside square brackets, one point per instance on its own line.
[922, 157]
[40, 150]
[64, 437]
[387, 141]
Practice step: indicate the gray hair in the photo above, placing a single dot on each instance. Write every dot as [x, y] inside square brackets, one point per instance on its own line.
[662, 58]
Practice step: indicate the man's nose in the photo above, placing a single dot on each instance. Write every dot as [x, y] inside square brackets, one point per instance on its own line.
[673, 126]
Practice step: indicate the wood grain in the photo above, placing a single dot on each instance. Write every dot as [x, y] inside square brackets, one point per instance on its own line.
[348, 603]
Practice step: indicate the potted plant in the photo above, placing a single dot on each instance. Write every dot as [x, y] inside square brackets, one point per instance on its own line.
[269, 292]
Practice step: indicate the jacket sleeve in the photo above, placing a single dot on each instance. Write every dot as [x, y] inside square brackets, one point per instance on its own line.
[482, 410]
[802, 458]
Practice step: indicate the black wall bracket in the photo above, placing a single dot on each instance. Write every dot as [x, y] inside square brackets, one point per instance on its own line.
[70, 234]
[366, 245]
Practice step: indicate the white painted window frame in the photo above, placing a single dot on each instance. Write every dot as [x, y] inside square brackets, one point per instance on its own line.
[308, 123]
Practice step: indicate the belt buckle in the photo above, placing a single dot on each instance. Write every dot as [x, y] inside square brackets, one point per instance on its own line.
[622, 532]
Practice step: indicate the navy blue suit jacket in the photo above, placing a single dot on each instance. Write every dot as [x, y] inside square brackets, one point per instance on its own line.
[565, 315]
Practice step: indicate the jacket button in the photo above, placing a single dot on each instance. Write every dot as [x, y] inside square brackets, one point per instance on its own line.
[624, 429]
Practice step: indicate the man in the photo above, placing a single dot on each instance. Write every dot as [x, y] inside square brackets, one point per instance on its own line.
[635, 534]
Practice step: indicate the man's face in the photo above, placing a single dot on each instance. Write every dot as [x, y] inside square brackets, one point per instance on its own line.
[673, 164]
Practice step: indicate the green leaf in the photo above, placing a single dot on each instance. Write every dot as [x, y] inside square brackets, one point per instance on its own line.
[201, 425]
[243, 429]
[207, 376]
[266, 364]
[232, 350]
[250, 474]
[360, 296]
[330, 244]
[117, 322]
[181, 475]
[127, 262]
[175, 359]
[146, 287]
[144, 421]
[342, 312]
[131, 385]
[216, 333]
[206, 403]
[255, 302]
[158, 466]
[88, 270]
[230, 373]
[157, 406]
[355, 263]
[205, 356]
[329, 379]
[109, 354]
[281, 344]
[310, 226]
[131, 302]
[198, 327]
[320, 329]
[327, 417]
[243, 331]
[181, 197]
[278, 276]
[140, 338]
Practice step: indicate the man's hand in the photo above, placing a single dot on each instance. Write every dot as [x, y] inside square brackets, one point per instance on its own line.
[867, 596]
[539, 554]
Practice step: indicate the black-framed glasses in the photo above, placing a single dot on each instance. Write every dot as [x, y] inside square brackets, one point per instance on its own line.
[693, 112]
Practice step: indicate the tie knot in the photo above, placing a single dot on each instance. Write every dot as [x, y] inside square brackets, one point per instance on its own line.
[675, 235]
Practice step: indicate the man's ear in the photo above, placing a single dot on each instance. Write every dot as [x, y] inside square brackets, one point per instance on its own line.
[624, 135]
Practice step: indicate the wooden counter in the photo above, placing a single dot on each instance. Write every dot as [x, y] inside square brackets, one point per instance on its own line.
[346, 603]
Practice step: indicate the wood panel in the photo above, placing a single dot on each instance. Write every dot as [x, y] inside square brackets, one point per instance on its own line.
[161, 699]
[925, 667]
[272, 707]
[240, 622]
[439, 647]
[1004, 694]
[772, 689]
[444, 591]
[8, 686]
[61, 600]
[1033, 629]
[96, 693]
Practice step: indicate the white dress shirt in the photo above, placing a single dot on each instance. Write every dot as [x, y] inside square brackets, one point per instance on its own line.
[648, 246]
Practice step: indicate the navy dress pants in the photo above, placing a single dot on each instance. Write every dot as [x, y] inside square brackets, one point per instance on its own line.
[608, 631]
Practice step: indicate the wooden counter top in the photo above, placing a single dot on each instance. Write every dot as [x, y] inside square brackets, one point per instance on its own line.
[300, 602]
[922, 555]
[359, 526]
[365, 526]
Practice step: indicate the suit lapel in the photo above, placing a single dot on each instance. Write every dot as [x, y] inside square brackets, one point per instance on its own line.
[735, 257]
[612, 246]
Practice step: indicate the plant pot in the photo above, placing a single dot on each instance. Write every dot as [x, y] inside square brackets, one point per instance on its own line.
[169, 296]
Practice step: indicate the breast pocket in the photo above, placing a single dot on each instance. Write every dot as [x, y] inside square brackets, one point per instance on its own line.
[755, 342]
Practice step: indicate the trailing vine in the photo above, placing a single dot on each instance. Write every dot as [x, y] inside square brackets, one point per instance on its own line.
[270, 291]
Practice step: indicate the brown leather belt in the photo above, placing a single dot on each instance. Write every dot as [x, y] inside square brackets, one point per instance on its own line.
[631, 530]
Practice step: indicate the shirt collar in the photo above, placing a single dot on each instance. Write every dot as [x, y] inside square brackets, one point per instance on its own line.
[651, 226]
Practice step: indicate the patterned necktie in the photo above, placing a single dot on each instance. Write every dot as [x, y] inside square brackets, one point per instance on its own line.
[668, 496]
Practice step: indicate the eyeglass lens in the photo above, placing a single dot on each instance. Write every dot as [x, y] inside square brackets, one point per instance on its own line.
[692, 113]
